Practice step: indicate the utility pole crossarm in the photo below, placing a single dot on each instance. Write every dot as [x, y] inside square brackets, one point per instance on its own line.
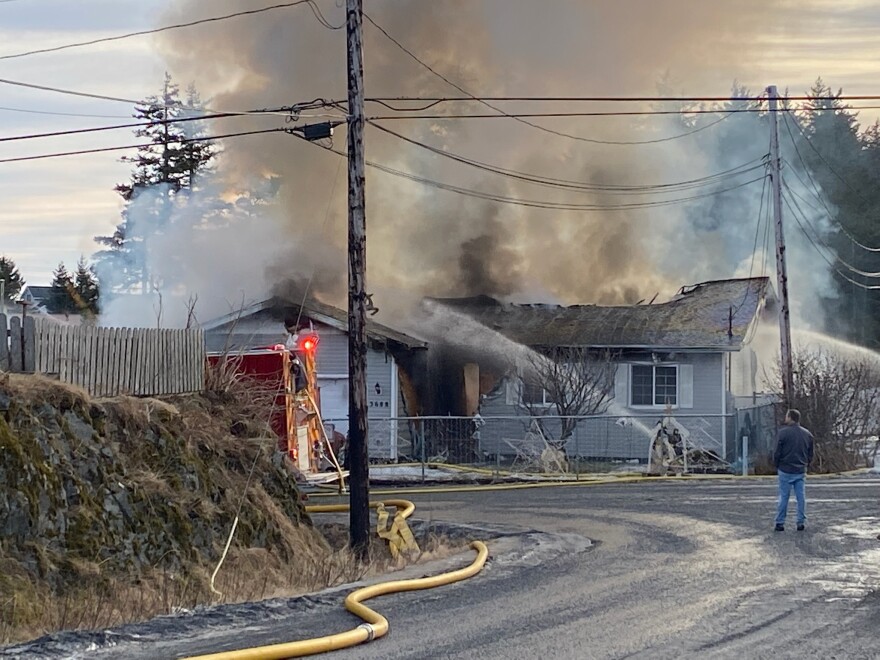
[781, 269]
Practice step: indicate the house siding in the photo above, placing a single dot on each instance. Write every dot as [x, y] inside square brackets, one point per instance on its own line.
[263, 329]
[623, 432]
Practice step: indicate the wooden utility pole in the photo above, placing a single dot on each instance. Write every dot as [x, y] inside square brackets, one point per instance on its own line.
[781, 269]
[357, 267]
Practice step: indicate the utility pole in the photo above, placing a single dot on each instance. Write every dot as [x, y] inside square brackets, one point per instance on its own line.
[781, 270]
[359, 520]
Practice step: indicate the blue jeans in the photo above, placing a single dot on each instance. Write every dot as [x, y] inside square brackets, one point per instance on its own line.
[787, 481]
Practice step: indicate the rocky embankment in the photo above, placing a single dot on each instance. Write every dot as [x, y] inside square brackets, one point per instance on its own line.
[116, 510]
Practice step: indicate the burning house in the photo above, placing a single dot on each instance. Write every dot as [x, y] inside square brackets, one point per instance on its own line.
[690, 357]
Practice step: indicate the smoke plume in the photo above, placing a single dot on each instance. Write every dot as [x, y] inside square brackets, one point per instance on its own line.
[427, 241]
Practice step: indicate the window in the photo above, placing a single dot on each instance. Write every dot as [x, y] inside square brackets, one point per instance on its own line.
[533, 394]
[654, 385]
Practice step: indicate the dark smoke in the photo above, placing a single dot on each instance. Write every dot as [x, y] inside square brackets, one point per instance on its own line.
[423, 241]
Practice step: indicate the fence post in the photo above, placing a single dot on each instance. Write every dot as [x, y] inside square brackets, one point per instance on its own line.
[423, 451]
[577, 451]
[16, 351]
[497, 474]
[745, 456]
[684, 442]
[4, 343]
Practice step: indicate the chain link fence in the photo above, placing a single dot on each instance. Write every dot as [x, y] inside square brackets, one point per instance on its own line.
[570, 445]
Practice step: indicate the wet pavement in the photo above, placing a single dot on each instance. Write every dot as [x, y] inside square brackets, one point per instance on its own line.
[677, 570]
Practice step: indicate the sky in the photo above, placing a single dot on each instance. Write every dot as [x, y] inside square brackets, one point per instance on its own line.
[50, 210]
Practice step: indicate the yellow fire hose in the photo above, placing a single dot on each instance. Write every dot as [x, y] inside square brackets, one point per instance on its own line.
[405, 508]
[375, 625]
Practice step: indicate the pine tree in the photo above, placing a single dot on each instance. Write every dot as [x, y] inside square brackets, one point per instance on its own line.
[13, 279]
[86, 287]
[165, 168]
[62, 296]
[840, 161]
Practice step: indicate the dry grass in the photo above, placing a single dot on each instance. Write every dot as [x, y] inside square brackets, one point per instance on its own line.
[41, 389]
[184, 464]
[248, 575]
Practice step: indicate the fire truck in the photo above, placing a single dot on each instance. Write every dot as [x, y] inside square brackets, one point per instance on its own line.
[290, 372]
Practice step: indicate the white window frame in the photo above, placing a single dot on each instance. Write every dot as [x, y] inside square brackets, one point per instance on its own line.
[544, 403]
[654, 406]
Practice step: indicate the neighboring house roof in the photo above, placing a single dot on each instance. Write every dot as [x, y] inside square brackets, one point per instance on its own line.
[322, 313]
[711, 315]
[36, 294]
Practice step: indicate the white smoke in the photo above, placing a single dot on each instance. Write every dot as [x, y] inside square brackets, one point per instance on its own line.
[197, 258]
[424, 241]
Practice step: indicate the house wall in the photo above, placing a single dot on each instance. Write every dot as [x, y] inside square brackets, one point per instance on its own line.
[623, 432]
[383, 392]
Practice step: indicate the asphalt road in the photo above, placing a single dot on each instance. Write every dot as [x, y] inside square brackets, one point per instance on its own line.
[678, 570]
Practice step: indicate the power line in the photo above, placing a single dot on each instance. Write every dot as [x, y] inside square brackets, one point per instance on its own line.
[434, 100]
[30, 111]
[520, 118]
[803, 161]
[837, 257]
[578, 186]
[82, 152]
[824, 160]
[283, 112]
[610, 113]
[868, 287]
[77, 131]
[176, 26]
[755, 248]
[542, 204]
[70, 92]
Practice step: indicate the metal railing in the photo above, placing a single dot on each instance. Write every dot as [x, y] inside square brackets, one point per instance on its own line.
[568, 445]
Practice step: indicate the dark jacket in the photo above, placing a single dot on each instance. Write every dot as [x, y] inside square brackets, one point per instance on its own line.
[794, 449]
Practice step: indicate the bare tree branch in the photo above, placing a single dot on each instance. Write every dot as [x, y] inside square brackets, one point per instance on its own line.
[838, 400]
[570, 383]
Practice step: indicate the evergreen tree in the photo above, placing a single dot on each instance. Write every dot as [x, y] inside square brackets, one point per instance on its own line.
[62, 296]
[13, 279]
[86, 288]
[163, 170]
[843, 164]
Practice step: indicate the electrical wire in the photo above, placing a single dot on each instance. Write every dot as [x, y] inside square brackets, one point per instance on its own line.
[610, 113]
[284, 5]
[577, 186]
[283, 112]
[837, 257]
[867, 287]
[308, 287]
[755, 247]
[82, 152]
[613, 99]
[788, 121]
[520, 118]
[62, 114]
[77, 131]
[529, 203]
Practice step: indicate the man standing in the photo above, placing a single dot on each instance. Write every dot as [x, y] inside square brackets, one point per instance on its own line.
[794, 453]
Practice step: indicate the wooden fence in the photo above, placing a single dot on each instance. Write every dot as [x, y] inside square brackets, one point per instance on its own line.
[106, 361]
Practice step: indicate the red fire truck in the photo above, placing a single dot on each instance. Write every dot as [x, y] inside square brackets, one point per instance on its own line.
[296, 414]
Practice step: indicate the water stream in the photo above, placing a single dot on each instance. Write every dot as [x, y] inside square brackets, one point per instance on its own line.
[449, 325]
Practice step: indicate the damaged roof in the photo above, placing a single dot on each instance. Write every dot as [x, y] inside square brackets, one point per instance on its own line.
[710, 315]
[338, 318]
[322, 313]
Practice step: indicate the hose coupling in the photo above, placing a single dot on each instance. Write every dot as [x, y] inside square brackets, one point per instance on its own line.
[371, 632]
